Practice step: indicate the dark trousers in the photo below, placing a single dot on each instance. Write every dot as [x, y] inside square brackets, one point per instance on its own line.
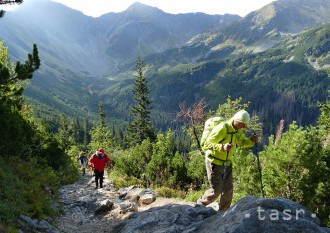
[221, 182]
[99, 176]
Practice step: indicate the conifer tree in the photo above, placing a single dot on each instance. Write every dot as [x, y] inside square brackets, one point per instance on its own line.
[102, 115]
[87, 128]
[14, 77]
[101, 135]
[65, 132]
[141, 127]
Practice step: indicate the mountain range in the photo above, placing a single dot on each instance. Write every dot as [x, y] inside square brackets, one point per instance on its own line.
[275, 57]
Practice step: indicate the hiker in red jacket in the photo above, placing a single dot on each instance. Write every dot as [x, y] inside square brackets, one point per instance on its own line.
[98, 161]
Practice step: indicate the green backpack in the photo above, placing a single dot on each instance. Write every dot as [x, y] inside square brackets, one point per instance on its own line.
[208, 126]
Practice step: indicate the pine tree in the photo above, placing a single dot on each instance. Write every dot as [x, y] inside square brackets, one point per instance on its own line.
[65, 132]
[101, 135]
[102, 115]
[13, 78]
[141, 127]
[87, 135]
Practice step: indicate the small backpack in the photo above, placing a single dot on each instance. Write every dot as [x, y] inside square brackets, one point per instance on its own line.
[208, 126]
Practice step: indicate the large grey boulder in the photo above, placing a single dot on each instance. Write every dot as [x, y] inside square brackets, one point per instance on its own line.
[168, 218]
[271, 215]
[249, 214]
[103, 207]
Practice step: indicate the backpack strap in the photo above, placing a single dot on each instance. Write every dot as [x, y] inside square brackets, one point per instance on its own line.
[232, 133]
[231, 140]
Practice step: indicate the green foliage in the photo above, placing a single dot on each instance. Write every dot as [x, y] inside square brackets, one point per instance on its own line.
[33, 163]
[69, 131]
[133, 163]
[12, 200]
[296, 168]
[166, 167]
[141, 127]
[13, 77]
[193, 195]
[315, 159]
[246, 175]
[101, 137]
[38, 180]
[282, 165]
[178, 171]
[157, 169]
[121, 180]
[28, 187]
[170, 193]
[154, 163]
[102, 115]
[196, 170]
[324, 118]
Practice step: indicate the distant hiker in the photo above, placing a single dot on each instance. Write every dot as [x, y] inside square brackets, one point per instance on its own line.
[219, 148]
[83, 162]
[98, 161]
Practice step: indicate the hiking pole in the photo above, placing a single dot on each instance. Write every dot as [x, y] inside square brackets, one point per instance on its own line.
[260, 174]
[225, 170]
[259, 168]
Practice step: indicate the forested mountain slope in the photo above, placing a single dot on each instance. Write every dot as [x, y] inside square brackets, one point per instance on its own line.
[285, 82]
[263, 57]
[38, 155]
[76, 49]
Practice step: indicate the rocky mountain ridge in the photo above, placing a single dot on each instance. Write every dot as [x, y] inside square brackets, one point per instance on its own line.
[262, 29]
[68, 39]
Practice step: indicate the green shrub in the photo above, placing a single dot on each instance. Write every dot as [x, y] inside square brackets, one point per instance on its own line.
[120, 180]
[12, 201]
[170, 193]
[194, 195]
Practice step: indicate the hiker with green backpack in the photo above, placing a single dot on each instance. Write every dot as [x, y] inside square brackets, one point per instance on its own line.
[219, 142]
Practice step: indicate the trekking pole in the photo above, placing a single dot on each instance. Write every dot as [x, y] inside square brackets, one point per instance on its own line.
[224, 177]
[260, 175]
[259, 168]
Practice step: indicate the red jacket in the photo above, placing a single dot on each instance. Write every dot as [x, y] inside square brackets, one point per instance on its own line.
[99, 162]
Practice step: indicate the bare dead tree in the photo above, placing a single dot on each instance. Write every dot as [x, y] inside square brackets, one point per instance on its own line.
[279, 132]
[192, 117]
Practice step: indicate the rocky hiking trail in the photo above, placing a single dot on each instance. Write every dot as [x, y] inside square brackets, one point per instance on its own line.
[132, 209]
[100, 210]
